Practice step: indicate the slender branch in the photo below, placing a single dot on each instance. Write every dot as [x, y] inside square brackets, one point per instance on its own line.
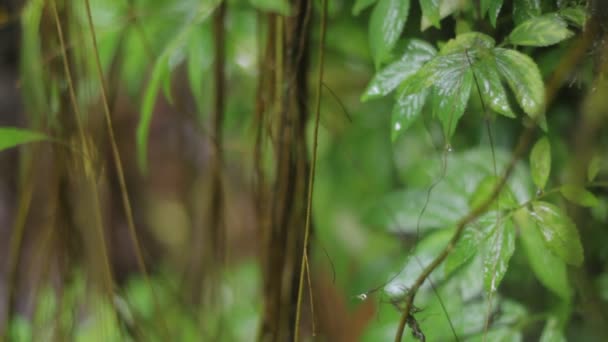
[313, 165]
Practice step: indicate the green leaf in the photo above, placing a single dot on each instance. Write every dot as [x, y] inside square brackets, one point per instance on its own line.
[162, 70]
[576, 15]
[492, 7]
[484, 190]
[12, 137]
[417, 52]
[577, 194]
[525, 9]
[277, 6]
[360, 5]
[472, 236]
[446, 8]
[548, 269]
[540, 162]
[558, 232]
[385, 27]
[552, 332]
[406, 110]
[491, 88]
[544, 30]
[430, 10]
[497, 253]
[467, 41]
[594, 167]
[523, 77]
[450, 96]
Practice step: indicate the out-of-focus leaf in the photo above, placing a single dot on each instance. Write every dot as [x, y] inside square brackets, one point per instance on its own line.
[405, 111]
[161, 71]
[558, 232]
[360, 5]
[552, 332]
[506, 199]
[523, 77]
[491, 88]
[467, 41]
[543, 30]
[417, 52]
[497, 252]
[446, 8]
[430, 10]
[548, 268]
[12, 137]
[386, 24]
[277, 6]
[450, 97]
[578, 195]
[576, 15]
[525, 9]
[594, 167]
[199, 61]
[540, 162]
[492, 7]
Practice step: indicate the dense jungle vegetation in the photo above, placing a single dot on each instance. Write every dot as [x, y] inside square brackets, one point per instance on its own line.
[298, 170]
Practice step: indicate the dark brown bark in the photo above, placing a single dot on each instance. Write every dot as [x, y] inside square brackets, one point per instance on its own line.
[283, 219]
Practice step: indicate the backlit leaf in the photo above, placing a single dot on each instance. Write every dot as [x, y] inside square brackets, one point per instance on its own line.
[548, 268]
[524, 79]
[540, 31]
[417, 52]
[558, 232]
[12, 137]
[386, 24]
[540, 162]
[430, 10]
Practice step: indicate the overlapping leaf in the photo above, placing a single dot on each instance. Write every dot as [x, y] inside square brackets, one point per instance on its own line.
[540, 162]
[491, 88]
[498, 251]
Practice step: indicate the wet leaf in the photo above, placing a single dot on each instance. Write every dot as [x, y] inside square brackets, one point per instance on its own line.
[405, 112]
[472, 236]
[579, 195]
[386, 24]
[548, 268]
[540, 162]
[543, 30]
[13, 137]
[558, 232]
[497, 252]
[417, 52]
[467, 41]
[524, 79]
[450, 97]
[491, 88]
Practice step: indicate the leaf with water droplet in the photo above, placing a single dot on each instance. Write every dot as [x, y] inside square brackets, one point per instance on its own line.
[540, 162]
[416, 53]
[524, 79]
[405, 111]
[579, 195]
[385, 27]
[547, 267]
[498, 249]
[543, 30]
[558, 232]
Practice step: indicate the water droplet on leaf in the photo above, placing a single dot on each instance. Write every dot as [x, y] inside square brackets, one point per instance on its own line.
[449, 148]
[362, 297]
[539, 192]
